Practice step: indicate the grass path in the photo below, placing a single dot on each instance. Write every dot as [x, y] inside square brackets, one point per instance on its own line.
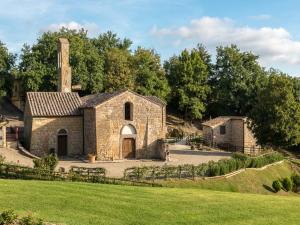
[96, 204]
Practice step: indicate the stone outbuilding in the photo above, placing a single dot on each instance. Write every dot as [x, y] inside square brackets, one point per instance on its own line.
[117, 125]
[230, 132]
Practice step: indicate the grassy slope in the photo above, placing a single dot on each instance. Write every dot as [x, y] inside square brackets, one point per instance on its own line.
[82, 203]
[249, 181]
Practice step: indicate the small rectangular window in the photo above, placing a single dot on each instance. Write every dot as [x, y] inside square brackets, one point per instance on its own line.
[128, 111]
[222, 129]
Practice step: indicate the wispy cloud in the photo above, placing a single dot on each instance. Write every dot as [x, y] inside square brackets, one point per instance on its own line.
[92, 28]
[261, 17]
[274, 45]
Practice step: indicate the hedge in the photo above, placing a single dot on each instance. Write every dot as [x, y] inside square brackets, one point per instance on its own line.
[210, 169]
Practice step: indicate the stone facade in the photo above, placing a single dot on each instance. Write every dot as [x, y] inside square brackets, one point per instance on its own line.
[104, 124]
[43, 136]
[117, 125]
[237, 135]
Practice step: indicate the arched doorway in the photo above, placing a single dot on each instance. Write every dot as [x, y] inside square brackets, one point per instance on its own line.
[62, 142]
[128, 133]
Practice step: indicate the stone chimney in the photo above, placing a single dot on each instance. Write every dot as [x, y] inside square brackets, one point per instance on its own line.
[63, 66]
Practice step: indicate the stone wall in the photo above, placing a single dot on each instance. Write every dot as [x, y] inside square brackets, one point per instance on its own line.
[44, 134]
[249, 139]
[237, 133]
[148, 120]
[89, 131]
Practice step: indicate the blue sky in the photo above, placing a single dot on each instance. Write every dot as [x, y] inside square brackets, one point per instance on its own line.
[268, 28]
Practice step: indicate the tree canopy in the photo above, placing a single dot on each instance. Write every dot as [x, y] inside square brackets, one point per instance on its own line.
[188, 77]
[235, 82]
[7, 61]
[276, 114]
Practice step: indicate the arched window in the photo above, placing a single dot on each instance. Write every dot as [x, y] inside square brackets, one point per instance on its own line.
[128, 130]
[128, 111]
[62, 132]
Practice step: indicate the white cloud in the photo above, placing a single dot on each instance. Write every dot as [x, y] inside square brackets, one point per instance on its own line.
[261, 17]
[274, 45]
[92, 28]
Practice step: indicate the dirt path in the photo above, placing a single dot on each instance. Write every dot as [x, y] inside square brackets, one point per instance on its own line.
[13, 156]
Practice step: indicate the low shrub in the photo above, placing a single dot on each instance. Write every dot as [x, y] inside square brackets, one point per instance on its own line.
[277, 186]
[8, 217]
[287, 184]
[240, 156]
[210, 169]
[30, 220]
[296, 181]
[46, 163]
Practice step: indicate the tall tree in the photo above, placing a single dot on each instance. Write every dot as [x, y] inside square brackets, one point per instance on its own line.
[118, 72]
[150, 77]
[38, 66]
[237, 78]
[7, 61]
[187, 75]
[276, 115]
[110, 40]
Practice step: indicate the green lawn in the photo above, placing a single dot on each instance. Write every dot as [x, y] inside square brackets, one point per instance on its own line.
[88, 204]
[250, 181]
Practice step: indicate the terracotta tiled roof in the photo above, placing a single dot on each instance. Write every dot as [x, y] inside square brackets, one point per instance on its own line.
[54, 103]
[90, 101]
[220, 120]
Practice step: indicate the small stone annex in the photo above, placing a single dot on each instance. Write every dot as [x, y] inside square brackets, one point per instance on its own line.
[117, 125]
[230, 131]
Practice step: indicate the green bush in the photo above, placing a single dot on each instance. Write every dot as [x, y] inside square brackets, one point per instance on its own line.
[296, 181]
[7, 217]
[277, 186]
[30, 220]
[47, 163]
[239, 156]
[287, 184]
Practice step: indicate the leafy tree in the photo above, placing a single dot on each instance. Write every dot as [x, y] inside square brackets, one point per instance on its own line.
[187, 75]
[276, 115]
[7, 61]
[38, 66]
[109, 40]
[118, 72]
[237, 78]
[150, 78]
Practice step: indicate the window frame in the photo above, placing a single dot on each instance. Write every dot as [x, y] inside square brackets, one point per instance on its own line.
[128, 111]
[222, 130]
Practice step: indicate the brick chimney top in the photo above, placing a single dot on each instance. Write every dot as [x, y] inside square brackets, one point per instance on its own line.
[63, 66]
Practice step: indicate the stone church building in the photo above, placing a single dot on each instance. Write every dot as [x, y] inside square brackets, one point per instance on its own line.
[117, 125]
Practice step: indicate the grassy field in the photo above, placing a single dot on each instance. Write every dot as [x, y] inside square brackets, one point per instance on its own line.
[250, 181]
[88, 204]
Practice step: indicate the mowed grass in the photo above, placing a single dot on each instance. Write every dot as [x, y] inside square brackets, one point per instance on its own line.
[88, 204]
[250, 181]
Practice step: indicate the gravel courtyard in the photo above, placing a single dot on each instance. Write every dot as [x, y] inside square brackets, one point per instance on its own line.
[179, 154]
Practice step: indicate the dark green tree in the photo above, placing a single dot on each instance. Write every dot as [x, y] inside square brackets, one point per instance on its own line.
[7, 61]
[276, 114]
[150, 77]
[118, 71]
[110, 40]
[188, 76]
[38, 66]
[236, 80]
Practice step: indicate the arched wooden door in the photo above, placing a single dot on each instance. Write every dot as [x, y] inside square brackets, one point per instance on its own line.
[62, 143]
[128, 148]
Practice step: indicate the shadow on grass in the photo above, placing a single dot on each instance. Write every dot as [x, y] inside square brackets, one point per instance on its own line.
[268, 188]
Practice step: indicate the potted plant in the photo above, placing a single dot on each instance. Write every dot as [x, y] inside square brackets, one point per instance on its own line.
[92, 157]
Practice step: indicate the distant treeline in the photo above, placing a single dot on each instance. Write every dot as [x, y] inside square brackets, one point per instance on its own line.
[235, 84]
